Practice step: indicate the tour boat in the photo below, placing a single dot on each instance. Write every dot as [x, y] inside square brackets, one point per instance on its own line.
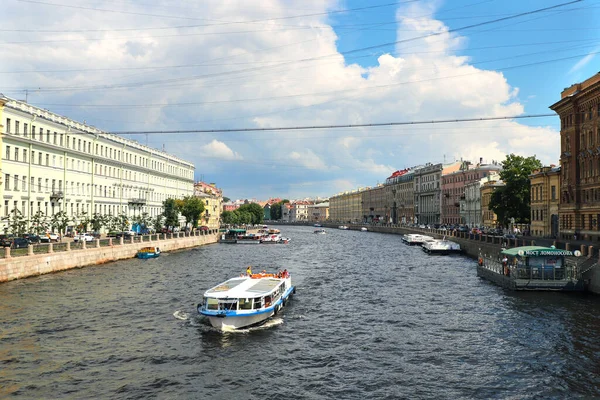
[320, 231]
[363, 229]
[231, 235]
[415, 239]
[534, 268]
[274, 239]
[250, 238]
[247, 300]
[148, 252]
[343, 227]
[440, 246]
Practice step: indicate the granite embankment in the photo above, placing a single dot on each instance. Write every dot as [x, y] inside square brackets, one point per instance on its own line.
[93, 253]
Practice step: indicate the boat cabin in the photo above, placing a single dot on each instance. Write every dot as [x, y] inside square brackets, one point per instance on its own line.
[244, 294]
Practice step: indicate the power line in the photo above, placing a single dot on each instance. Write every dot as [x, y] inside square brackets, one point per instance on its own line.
[297, 128]
[139, 84]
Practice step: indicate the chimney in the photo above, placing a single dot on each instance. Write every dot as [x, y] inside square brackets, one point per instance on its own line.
[480, 160]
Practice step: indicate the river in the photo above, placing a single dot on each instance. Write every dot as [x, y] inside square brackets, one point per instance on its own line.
[372, 319]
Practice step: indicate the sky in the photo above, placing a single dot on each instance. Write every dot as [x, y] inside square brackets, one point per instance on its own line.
[167, 66]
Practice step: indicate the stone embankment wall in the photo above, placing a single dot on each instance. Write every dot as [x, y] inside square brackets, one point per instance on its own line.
[92, 254]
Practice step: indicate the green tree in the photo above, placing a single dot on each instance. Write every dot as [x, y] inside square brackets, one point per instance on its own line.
[157, 223]
[39, 222]
[191, 209]
[170, 212]
[98, 221]
[513, 200]
[16, 223]
[255, 210]
[122, 222]
[84, 221]
[226, 199]
[59, 222]
[229, 218]
[111, 222]
[276, 209]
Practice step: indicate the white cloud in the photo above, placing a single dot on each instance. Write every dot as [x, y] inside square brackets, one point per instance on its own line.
[292, 71]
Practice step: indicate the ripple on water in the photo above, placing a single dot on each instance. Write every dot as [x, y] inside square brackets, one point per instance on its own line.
[372, 318]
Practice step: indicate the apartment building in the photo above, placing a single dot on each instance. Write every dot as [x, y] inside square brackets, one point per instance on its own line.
[545, 184]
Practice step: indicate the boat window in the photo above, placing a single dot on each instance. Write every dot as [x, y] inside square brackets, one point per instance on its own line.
[228, 306]
[257, 303]
[267, 301]
[211, 304]
[245, 304]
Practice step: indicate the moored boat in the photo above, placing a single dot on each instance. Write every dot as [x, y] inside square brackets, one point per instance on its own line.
[148, 252]
[320, 231]
[415, 239]
[247, 300]
[441, 246]
[250, 238]
[364, 229]
[343, 227]
[532, 268]
[231, 235]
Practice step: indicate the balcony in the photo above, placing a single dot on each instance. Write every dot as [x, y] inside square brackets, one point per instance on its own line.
[137, 202]
[57, 195]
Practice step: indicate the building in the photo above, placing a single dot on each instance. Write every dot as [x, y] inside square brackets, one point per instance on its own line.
[488, 218]
[346, 207]
[579, 198]
[319, 212]
[471, 207]
[400, 196]
[299, 211]
[374, 205]
[53, 164]
[213, 203]
[454, 190]
[545, 184]
[428, 191]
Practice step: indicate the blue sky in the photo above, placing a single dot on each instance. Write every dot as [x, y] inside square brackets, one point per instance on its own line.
[138, 65]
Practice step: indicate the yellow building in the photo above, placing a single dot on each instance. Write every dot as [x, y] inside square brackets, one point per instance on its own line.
[346, 207]
[213, 204]
[488, 217]
[545, 184]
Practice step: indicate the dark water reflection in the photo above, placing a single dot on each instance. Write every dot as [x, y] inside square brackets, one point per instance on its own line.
[372, 318]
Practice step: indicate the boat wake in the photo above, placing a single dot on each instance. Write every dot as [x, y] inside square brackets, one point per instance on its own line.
[267, 325]
[182, 315]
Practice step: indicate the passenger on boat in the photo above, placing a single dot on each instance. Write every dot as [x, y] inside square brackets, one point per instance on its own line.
[249, 270]
[286, 274]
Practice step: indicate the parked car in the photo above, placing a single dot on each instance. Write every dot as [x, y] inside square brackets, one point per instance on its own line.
[83, 237]
[6, 240]
[125, 235]
[19, 243]
[49, 237]
[32, 238]
[204, 228]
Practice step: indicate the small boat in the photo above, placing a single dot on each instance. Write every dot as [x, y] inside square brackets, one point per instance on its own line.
[317, 225]
[343, 227]
[148, 252]
[412, 239]
[246, 301]
[363, 229]
[440, 246]
[320, 231]
[274, 239]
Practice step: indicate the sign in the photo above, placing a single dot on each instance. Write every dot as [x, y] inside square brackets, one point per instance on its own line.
[552, 252]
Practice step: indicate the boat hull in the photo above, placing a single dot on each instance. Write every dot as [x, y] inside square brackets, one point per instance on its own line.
[233, 320]
[147, 255]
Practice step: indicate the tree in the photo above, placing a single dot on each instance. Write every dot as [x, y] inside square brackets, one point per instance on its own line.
[191, 209]
[39, 222]
[255, 210]
[16, 223]
[226, 199]
[99, 220]
[157, 223]
[122, 222]
[59, 222]
[112, 223]
[84, 221]
[229, 218]
[514, 199]
[276, 209]
[171, 212]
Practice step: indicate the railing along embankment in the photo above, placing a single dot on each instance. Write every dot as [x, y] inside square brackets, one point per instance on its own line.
[54, 257]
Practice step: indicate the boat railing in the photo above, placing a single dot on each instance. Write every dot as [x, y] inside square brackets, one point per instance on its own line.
[544, 272]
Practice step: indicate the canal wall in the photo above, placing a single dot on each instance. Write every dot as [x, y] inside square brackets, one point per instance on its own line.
[92, 253]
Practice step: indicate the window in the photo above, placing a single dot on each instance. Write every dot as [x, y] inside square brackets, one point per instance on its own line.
[32, 184]
[47, 160]
[7, 182]
[61, 139]
[24, 187]
[48, 135]
[17, 127]
[41, 134]
[16, 183]
[39, 184]
[16, 154]
[33, 131]
[8, 152]
[54, 161]
[25, 155]
[47, 187]
[7, 127]
[55, 138]
[553, 189]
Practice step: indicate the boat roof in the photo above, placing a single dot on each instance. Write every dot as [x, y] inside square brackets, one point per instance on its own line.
[244, 287]
[237, 230]
[536, 251]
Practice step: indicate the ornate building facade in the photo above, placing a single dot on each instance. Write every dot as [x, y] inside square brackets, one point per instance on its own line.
[579, 111]
[545, 185]
[400, 196]
[51, 163]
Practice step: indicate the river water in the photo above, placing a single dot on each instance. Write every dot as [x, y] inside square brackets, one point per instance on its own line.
[372, 319]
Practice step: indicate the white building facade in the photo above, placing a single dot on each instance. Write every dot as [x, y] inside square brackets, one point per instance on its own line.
[51, 163]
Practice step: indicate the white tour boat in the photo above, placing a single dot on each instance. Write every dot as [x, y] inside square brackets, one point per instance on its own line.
[415, 239]
[363, 229]
[440, 246]
[247, 300]
[343, 227]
